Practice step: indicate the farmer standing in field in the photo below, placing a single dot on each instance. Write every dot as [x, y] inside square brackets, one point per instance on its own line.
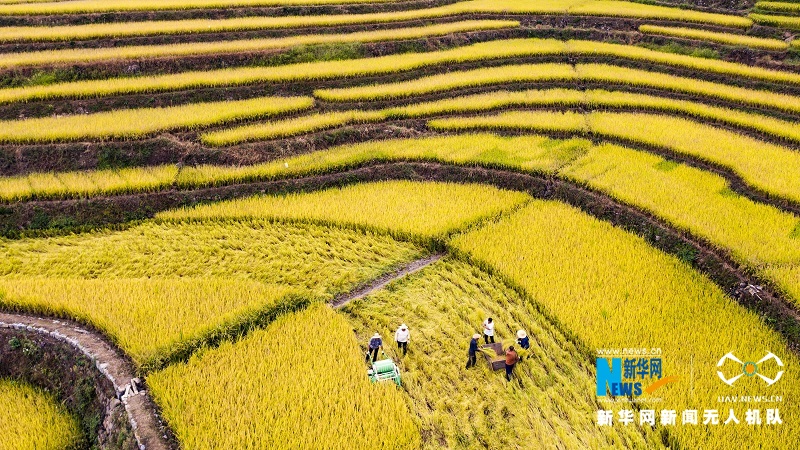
[511, 361]
[401, 336]
[524, 343]
[375, 344]
[488, 330]
[473, 350]
[522, 339]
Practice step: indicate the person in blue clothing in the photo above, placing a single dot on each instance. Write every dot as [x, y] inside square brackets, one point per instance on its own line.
[473, 350]
[523, 342]
[522, 339]
[375, 344]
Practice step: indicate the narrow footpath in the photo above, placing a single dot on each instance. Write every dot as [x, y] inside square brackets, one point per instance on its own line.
[142, 412]
[382, 282]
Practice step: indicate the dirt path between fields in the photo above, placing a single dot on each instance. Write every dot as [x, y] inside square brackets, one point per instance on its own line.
[382, 282]
[150, 432]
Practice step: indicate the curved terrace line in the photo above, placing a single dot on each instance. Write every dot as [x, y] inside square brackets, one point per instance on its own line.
[396, 64]
[334, 77]
[142, 412]
[613, 8]
[530, 26]
[736, 181]
[719, 266]
[559, 81]
[19, 216]
[114, 365]
[98, 56]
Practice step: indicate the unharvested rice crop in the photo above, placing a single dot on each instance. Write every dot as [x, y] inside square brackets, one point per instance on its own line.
[792, 22]
[151, 319]
[95, 6]
[787, 276]
[332, 260]
[385, 65]
[781, 7]
[720, 38]
[593, 98]
[299, 383]
[287, 127]
[602, 73]
[761, 236]
[444, 306]
[531, 153]
[401, 207]
[33, 420]
[453, 80]
[591, 277]
[206, 277]
[89, 183]
[48, 57]
[769, 167]
[134, 123]
[577, 7]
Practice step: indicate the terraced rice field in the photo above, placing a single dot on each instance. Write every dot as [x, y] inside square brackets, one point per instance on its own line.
[224, 200]
[32, 419]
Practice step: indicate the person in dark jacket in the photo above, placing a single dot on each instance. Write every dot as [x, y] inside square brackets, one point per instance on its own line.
[523, 340]
[375, 344]
[511, 361]
[473, 350]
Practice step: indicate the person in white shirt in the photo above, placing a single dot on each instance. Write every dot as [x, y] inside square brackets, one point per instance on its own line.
[488, 330]
[401, 336]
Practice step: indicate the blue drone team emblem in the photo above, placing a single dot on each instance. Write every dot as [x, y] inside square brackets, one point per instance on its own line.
[750, 369]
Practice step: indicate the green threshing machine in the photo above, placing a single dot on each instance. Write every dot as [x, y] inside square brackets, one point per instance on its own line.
[384, 370]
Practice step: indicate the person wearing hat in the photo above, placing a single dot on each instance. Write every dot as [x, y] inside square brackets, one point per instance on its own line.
[375, 344]
[401, 337]
[522, 339]
[473, 350]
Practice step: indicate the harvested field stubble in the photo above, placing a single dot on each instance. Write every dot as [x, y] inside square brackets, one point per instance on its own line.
[443, 305]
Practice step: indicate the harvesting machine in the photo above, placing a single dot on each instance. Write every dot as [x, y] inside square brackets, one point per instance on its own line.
[384, 370]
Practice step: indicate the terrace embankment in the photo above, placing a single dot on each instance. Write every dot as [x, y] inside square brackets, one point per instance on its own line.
[748, 289]
[63, 356]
